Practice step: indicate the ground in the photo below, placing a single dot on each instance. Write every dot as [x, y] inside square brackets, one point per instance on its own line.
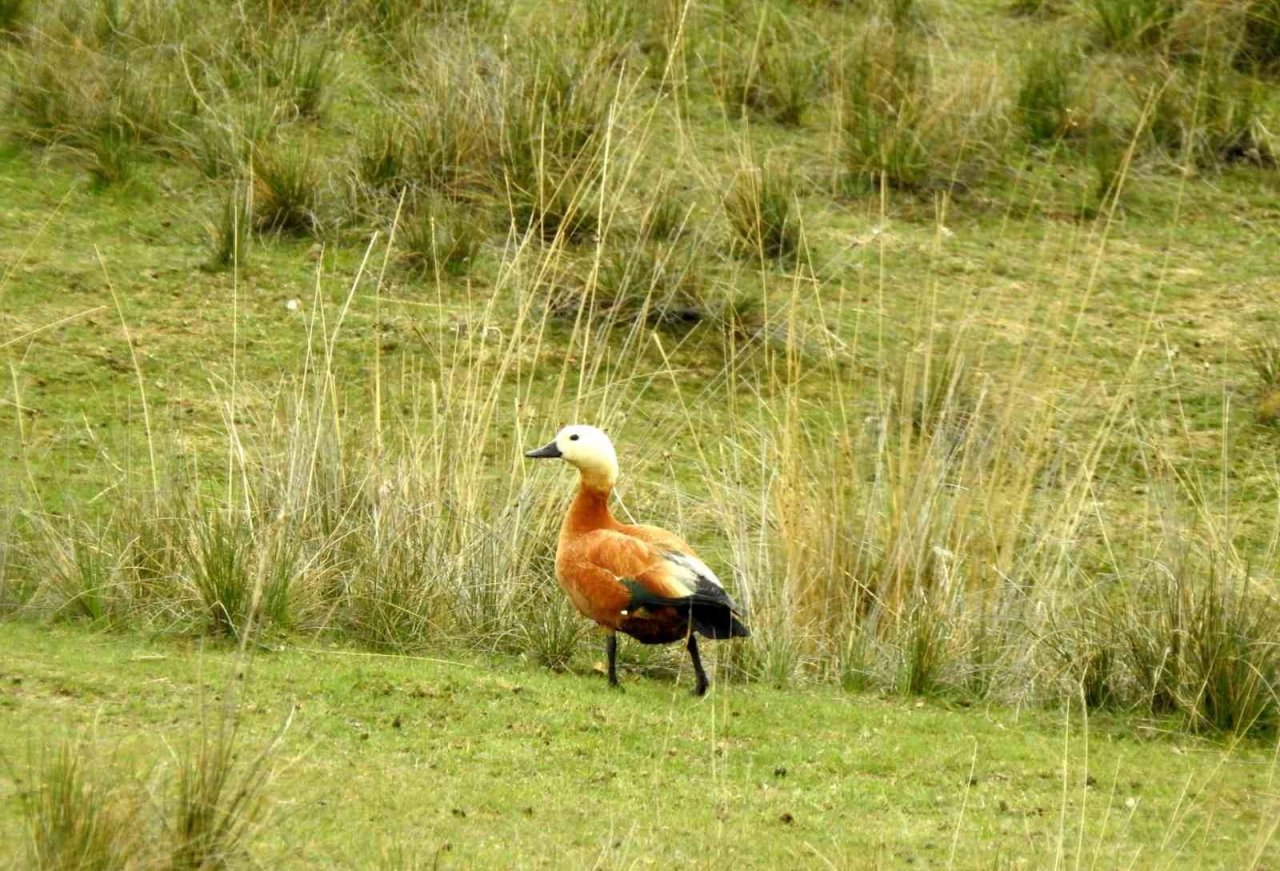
[470, 761]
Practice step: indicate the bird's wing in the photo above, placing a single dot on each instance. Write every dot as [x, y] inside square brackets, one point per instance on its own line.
[690, 565]
[628, 574]
[675, 550]
[629, 559]
[665, 567]
[703, 585]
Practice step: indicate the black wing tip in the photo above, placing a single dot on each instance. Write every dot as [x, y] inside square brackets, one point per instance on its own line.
[715, 614]
[717, 626]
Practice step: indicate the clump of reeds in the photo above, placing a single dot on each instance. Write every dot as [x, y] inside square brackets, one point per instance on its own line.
[763, 212]
[286, 190]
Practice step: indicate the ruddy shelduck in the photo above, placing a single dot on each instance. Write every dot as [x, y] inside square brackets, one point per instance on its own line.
[641, 580]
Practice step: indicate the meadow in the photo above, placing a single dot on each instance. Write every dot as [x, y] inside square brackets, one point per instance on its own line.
[946, 332]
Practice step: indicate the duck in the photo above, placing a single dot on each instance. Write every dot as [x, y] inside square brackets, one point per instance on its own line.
[642, 581]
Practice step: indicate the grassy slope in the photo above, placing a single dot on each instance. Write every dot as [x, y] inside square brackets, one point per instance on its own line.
[507, 764]
[1154, 317]
[1184, 280]
[1182, 285]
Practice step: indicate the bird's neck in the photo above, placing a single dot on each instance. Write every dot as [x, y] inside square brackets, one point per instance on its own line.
[590, 509]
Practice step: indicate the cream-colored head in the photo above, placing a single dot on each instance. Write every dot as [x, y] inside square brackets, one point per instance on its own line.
[586, 448]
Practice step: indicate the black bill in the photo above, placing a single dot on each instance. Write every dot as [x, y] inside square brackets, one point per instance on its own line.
[546, 452]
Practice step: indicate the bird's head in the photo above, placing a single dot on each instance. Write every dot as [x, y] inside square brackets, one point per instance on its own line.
[586, 448]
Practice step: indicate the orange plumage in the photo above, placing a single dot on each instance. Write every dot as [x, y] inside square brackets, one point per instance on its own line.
[640, 580]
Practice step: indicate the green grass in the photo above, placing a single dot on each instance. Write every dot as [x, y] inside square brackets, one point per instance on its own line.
[476, 760]
[934, 351]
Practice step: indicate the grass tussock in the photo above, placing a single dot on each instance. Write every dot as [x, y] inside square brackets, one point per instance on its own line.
[554, 131]
[382, 162]
[896, 129]
[1047, 95]
[1260, 37]
[221, 575]
[667, 215]
[772, 68]
[763, 212]
[656, 285]
[1170, 642]
[451, 132]
[231, 237]
[286, 191]
[76, 819]
[1132, 25]
[1209, 117]
[83, 811]
[304, 67]
[13, 14]
[439, 238]
[1264, 358]
[218, 803]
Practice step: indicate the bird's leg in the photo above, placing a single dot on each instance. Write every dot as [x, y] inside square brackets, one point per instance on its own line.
[611, 649]
[700, 687]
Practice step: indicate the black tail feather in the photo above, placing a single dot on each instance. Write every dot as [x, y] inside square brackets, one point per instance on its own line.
[715, 620]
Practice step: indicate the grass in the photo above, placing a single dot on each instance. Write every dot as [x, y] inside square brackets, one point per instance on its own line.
[509, 748]
[1132, 25]
[1264, 356]
[231, 237]
[435, 238]
[762, 212]
[887, 139]
[949, 385]
[769, 68]
[286, 191]
[75, 823]
[1261, 42]
[853, 560]
[84, 808]
[1045, 97]
[219, 802]
[12, 15]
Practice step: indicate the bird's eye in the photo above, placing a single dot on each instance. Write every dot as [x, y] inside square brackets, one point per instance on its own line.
[573, 438]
